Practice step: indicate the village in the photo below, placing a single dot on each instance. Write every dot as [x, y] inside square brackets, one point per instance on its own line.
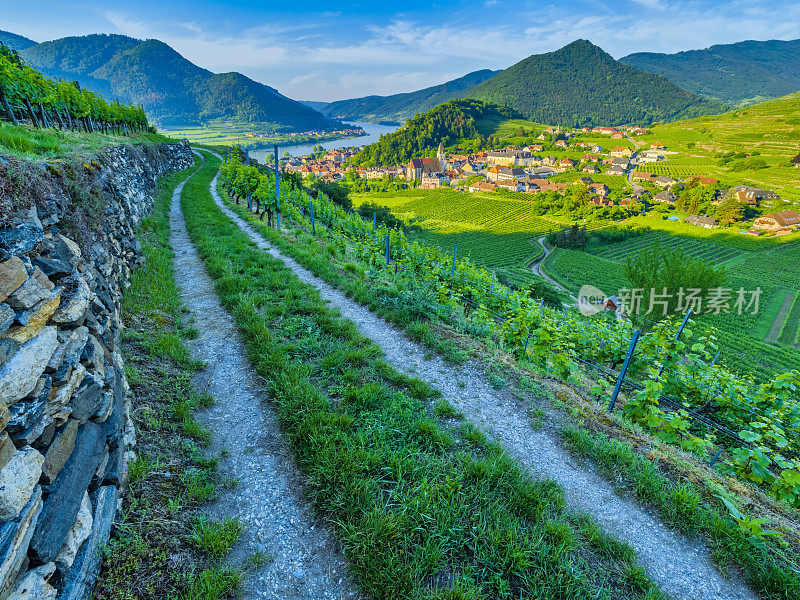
[530, 169]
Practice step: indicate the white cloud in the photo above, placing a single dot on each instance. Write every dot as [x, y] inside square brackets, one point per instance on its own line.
[336, 54]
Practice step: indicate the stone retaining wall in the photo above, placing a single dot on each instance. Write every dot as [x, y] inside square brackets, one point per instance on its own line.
[67, 246]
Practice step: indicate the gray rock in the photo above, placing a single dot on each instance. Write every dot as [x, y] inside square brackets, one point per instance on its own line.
[18, 376]
[81, 577]
[88, 398]
[20, 239]
[80, 532]
[54, 269]
[34, 435]
[75, 299]
[27, 411]
[64, 393]
[14, 539]
[66, 493]
[28, 295]
[69, 351]
[35, 586]
[59, 452]
[12, 275]
[7, 449]
[92, 355]
[8, 348]
[7, 316]
[17, 480]
[65, 250]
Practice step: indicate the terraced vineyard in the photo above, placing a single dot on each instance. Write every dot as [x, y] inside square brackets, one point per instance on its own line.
[574, 268]
[778, 266]
[495, 231]
[695, 248]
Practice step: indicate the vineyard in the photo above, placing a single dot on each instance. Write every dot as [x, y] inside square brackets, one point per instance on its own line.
[696, 248]
[779, 266]
[790, 332]
[679, 382]
[498, 232]
[27, 95]
[575, 268]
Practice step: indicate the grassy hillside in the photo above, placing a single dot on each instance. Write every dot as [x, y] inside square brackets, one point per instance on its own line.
[399, 107]
[172, 90]
[739, 73]
[581, 84]
[771, 129]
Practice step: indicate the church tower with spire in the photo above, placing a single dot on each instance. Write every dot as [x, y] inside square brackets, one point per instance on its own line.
[440, 155]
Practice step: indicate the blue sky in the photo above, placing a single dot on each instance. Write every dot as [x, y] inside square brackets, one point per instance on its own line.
[316, 50]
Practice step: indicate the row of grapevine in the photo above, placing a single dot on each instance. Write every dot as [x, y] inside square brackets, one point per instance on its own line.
[695, 248]
[763, 417]
[26, 94]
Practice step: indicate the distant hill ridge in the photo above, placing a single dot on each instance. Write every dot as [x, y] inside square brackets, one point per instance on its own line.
[578, 85]
[739, 73]
[172, 89]
[399, 107]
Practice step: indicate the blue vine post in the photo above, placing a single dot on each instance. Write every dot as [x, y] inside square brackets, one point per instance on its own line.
[277, 186]
[625, 365]
[249, 202]
[455, 254]
[313, 224]
[388, 249]
[677, 337]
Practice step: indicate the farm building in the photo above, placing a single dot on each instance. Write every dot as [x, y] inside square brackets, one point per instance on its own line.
[665, 181]
[621, 151]
[615, 170]
[481, 186]
[642, 176]
[665, 197]
[591, 169]
[779, 220]
[701, 221]
[512, 185]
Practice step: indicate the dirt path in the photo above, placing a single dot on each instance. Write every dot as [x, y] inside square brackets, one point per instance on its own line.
[681, 566]
[537, 269]
[305, 561]
[777, 324]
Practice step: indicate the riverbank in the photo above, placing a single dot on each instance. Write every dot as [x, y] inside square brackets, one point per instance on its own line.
[244, 135]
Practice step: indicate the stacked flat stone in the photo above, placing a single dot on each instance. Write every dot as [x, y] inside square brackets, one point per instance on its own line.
[65, 431]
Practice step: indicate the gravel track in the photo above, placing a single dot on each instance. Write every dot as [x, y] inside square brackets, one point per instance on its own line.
[681, 566]
[305, 559]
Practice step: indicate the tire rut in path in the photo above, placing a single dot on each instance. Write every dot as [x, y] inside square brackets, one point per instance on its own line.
[267, 500]
[681, 566]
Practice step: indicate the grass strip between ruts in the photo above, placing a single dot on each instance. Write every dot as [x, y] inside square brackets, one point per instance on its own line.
[422, 508]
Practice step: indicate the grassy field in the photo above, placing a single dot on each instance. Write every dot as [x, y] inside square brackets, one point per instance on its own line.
[25, 142]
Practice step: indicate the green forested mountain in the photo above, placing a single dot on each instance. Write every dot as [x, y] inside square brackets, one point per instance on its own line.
[739, 73]
[17, 42]
[580, 85]
[172, 90]
[446, 123]
[399, 107]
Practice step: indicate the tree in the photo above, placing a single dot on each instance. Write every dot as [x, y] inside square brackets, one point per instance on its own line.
[730, 211]
[665, 277]
[337, 193]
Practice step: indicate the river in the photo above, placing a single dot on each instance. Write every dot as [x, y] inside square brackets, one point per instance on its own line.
[373, 133]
